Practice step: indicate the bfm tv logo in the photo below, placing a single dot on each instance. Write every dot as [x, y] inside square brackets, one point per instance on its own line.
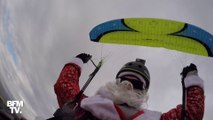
[15, 106]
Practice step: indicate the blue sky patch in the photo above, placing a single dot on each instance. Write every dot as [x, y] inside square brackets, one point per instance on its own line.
[9, 36]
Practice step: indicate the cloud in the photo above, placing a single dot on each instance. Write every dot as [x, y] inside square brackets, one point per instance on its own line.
[47, 34]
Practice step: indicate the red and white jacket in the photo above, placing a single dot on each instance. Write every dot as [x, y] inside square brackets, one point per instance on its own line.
[67, 87]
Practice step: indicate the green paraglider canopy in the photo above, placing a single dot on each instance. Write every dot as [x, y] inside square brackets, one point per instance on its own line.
[152, 32]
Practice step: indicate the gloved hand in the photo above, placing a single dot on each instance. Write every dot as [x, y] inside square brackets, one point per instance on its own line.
[187, 69]
[84, 57]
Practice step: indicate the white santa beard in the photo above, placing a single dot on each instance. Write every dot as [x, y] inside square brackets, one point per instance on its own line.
[124, 93]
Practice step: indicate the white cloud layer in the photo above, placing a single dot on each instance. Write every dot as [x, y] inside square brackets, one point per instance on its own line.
[47, 34]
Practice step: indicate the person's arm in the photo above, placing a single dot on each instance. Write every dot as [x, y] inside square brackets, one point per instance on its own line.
[195, 98]
[67, 85]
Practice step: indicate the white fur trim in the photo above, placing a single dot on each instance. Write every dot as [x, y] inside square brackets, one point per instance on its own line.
[104, 109]
[149, 115]
[100, 107]
[192, 79]
[77, 61]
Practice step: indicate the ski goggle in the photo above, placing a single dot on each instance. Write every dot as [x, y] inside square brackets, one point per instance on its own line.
[137, 84]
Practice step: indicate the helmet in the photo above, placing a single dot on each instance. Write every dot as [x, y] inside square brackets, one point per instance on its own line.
[138, 69]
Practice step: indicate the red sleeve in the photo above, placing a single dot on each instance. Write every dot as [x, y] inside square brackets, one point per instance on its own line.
[195, 106]
[67, 85]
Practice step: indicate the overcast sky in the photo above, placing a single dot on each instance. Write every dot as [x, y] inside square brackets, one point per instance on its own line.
[37, 37]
